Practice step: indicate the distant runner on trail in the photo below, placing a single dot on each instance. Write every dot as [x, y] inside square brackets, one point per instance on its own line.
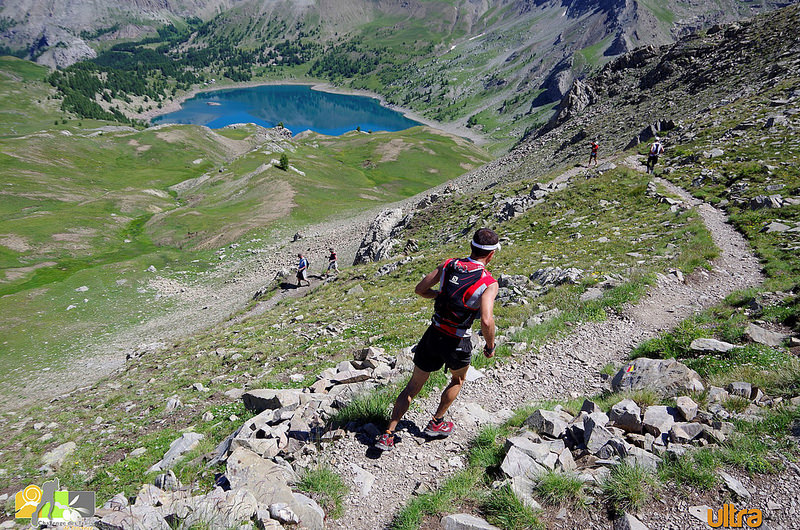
[466, 290]
[332, 261]
[302, 270]
[656, 149]
[593, 155]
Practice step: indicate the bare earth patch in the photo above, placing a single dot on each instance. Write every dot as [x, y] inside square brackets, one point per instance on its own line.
[14, 242]
[390, 151]
[20, 272]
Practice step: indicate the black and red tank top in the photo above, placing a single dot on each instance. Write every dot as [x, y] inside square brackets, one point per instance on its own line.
[459, 300]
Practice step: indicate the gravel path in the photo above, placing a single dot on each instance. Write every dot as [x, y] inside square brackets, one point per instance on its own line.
[562, 369]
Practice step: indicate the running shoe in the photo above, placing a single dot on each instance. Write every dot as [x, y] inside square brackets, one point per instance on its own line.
[440, 429]
[385, 442]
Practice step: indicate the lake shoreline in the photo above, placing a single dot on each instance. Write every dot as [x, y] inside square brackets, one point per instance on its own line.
[450, 128]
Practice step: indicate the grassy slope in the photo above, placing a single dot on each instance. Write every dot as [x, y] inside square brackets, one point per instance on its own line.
[273, 345]
[83, 207]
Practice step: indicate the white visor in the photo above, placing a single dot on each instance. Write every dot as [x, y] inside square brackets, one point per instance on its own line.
[496, 246]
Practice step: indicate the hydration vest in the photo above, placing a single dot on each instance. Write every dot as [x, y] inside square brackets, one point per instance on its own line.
[459, 300]
[656, 149]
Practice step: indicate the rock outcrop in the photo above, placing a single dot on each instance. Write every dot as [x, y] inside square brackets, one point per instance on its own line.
[381, 236]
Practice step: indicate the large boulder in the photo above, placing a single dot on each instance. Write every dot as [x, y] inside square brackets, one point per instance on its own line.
[667, 377]
[381, 236]
[267, 482]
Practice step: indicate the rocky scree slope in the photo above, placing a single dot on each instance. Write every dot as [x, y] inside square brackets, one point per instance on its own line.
[654, 90]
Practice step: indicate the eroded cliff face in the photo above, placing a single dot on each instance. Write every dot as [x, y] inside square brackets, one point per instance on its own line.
[56, 31]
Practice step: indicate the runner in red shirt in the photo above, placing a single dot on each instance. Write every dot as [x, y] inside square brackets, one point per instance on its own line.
[466, 290]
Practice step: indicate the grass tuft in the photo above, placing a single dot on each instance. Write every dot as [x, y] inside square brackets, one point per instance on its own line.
[505, 510]
[485, 452]
[560, 488]
[628, 488]
[695, 469]
[327, 488]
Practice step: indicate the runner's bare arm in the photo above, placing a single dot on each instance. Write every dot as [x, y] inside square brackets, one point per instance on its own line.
[487, 314]
[424, 287]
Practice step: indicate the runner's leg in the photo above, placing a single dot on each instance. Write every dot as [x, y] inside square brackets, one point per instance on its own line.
[450, 393]
[411, 390]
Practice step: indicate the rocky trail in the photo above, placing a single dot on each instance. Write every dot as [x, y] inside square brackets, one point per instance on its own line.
[382, 483]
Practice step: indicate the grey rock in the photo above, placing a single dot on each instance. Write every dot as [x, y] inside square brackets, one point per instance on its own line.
[775, 226]
[639, 457]
[234, 394]
[658, 420]
[557, 276]
[266, 480]
[733, 484]
[281, 512]
[363, 479]
[56, 457]
[465, 521]
[117, 502]
[614, 447]
[629, 522]
[141, 516]
[593, 293]
[523, 490]
[356, 290]
[627, 416]
[590, 407]
[368, 353]
[595, 436]
[717, 394]
[258, 401]
[167, 481]
[687, 407]
[740, 389]
[667, 377]
[173, 403]
[351, 376]
[711, 345]
[517, 463]
[764, 336]
[565, 461]
[700, 512]
[547, 422]
[683, 433]
[381, 235]
[177, 449]
[150, 495]
[312, 515]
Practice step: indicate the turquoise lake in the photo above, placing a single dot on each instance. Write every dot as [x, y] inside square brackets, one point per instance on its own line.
[298, 106]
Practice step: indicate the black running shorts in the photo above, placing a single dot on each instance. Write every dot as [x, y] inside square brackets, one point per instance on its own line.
[435, 349]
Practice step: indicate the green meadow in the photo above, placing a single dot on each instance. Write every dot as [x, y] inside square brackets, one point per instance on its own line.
[90, 204]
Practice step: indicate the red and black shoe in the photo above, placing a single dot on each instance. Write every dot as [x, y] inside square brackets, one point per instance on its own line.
[438, 428]
[385, 442]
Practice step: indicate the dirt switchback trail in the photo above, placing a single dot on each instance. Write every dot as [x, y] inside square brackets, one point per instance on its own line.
[565, 368]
